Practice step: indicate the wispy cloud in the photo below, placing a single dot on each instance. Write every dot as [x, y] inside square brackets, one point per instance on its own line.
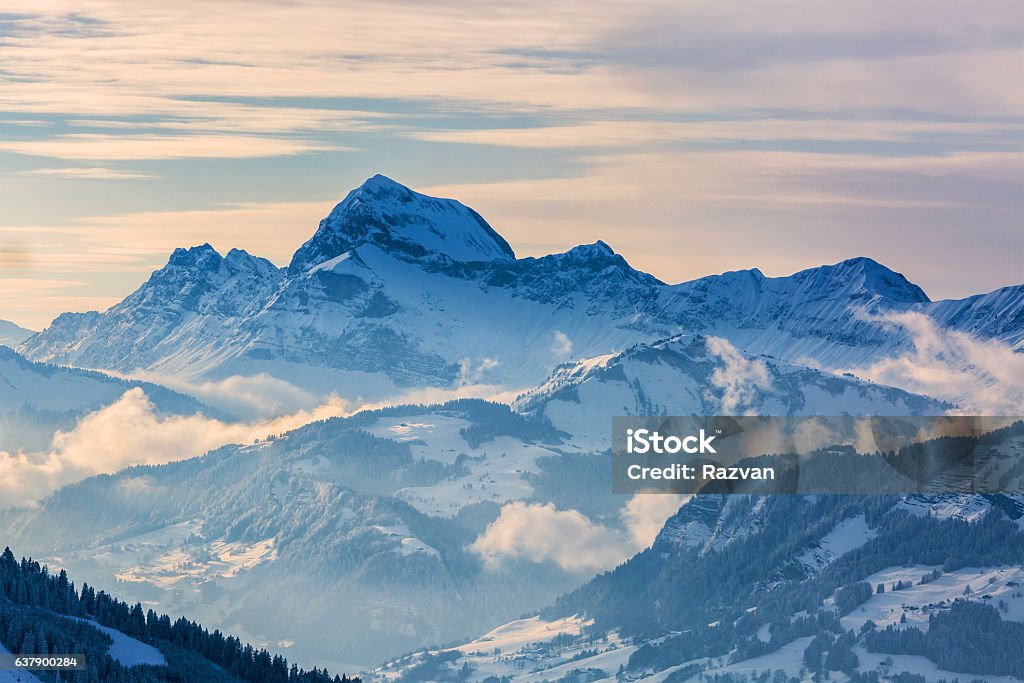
[637, 133]
[580, 54]
[739, 380]
[682, 213]
[681, 125]
[983, 377]
[111, 147]
[89, 173]
[562, 345]
[250, 397]
[132, 432]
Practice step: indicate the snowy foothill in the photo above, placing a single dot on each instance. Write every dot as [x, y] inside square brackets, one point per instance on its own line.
[126, 650]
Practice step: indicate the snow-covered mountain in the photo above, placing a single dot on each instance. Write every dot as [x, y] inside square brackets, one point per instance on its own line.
[824, 315]
[735, 586]
[997, 315]
[371, 521]
[187, 308]
[396, 289]
[696, 375]
[346, 540]
[12, 335]
[379, 511]
[411, 225]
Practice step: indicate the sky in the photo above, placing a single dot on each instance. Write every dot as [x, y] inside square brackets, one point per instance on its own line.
[693, 137]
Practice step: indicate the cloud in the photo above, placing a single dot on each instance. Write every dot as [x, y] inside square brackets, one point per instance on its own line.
[638, 133]
[682, 213]
[677, 125]
[562, 345]
[131, 432]
[126, 147]
[605, 55]
[89, 173]
[264, 396]
[983, 377]
[542, 533]
[740, 379]
[258, 396]
[645, 515]
[472, 372]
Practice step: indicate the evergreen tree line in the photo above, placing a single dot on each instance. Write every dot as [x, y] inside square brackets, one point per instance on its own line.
[785, 630]
[848, 598]
[28, 584]
[825, 654]
[29, 630]
[969, 637]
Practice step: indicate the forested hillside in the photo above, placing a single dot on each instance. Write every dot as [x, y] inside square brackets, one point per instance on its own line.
[45, 614]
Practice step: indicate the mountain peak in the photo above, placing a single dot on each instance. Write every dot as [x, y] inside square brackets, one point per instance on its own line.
[207, 259]
[405, 223]
[596, 250]
[380, 183]
[204, 254]
[871, 276]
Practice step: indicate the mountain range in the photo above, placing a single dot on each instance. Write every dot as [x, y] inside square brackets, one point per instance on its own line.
[396, 289]
[782, 588]
[349, 541]
[696, 375]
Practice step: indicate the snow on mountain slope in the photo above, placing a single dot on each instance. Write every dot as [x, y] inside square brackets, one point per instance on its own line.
[997, 583]
[559, 649]
[41, 387]
[368, 519]
[848, 535]
[127, 650]
[16, 676]
[822, 315]
[184, 312]
[998, 315]
[668, 615]
[394, 290]
[398, 290]
[376, 315]
[687, 375]
[12, 335]
[494, 472]
[411, 224]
